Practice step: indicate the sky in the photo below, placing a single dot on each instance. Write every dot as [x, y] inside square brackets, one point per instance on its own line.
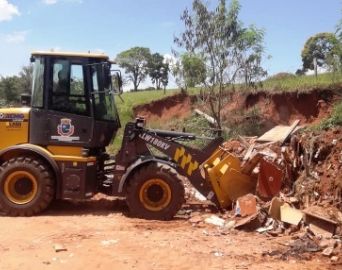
[112, 26]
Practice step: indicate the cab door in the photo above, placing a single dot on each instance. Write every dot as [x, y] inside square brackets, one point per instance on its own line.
[66, 117]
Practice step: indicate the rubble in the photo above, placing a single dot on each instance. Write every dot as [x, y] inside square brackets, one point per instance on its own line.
[110, 242]
[290, 215]
[59, 248]
[215, 220]
[298, 191]
[279, 133]
[246, 205]
[328, 251]
[334, 259]
[320, 225]
[269, 179]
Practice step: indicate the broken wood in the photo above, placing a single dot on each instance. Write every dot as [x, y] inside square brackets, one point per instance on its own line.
[318, 223]
[274, 210]
[210, 119]
[279, 133]
[290, 215]
[269, 180]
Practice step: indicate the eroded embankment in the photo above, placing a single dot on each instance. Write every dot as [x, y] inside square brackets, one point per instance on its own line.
[271, 109]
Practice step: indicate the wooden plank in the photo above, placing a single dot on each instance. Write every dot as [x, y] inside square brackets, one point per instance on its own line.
[278, 133]
[292, 128]
[275, 134]
[210, 119]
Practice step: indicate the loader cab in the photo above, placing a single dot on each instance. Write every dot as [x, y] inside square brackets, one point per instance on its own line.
[73, 100]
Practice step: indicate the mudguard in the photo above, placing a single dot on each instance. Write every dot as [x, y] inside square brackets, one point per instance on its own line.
[37, 151]
[137, 164]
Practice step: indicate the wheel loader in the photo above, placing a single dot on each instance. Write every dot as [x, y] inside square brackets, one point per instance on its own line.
[55, 148]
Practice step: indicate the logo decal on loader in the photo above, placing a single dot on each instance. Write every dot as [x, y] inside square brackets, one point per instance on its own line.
[65, 128]
[65, 131]
[183, 159]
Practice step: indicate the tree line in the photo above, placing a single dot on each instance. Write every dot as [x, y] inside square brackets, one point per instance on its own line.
[139, 62]
[11, 87]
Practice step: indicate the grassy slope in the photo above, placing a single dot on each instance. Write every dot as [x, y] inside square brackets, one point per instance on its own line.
[293, 84]
[303, 83]
[290, 84]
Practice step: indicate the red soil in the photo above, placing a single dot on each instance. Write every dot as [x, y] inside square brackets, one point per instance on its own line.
[274, 109]
[284, 108]
[177, 106]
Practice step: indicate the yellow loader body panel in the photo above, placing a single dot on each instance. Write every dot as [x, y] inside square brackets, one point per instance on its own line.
[14, 126]
[223, 171]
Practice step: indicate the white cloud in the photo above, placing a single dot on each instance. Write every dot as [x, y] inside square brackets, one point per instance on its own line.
[16, 37]
[320, 70]
[74, 1]
[7, 10]
[50, 2]
[53, 2]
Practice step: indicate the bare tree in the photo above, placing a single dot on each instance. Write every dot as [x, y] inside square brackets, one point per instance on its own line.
[216, 36]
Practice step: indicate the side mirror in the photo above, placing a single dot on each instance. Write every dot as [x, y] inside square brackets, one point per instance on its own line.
[117, 82]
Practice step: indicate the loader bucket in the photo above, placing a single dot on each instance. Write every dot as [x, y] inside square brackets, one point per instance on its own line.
[223, 171]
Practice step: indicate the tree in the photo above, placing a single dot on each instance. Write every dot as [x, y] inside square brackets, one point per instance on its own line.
[10, 89]
[177, 72]
[339, 30]
[215, 36]
[158, 70]
[251, 49]
[194, 70]
[135, 63]
[338, 50]
[320, 50]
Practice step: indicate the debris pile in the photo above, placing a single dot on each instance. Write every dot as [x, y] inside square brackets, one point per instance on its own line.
[298, 192]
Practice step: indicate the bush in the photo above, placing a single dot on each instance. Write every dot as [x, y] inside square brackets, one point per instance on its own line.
[335, 119]
[2, 103]
[281, 76]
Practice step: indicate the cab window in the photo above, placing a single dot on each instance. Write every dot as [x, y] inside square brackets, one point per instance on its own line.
[38, 83]
[68, 91]
[103, 99]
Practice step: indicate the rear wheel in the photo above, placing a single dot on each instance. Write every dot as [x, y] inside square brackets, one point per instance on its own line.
[155, 192]
[26, 186]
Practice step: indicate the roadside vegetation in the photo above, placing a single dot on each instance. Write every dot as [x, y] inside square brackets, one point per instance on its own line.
[286, 82]
[334, 120]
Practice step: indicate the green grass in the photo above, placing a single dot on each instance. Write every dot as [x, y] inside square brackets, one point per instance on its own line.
[300, 84]
[334, 120]
[125, 109]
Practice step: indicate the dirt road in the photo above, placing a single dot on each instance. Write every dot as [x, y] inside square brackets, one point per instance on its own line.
[98, 235]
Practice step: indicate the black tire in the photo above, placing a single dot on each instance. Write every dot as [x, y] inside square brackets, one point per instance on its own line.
[155, 180]
[26, 186]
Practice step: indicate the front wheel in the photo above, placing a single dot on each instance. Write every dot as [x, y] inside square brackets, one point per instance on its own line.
[26, 186]
[155, 191]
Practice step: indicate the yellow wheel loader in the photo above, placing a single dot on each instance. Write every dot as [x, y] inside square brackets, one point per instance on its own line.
[56, 147]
